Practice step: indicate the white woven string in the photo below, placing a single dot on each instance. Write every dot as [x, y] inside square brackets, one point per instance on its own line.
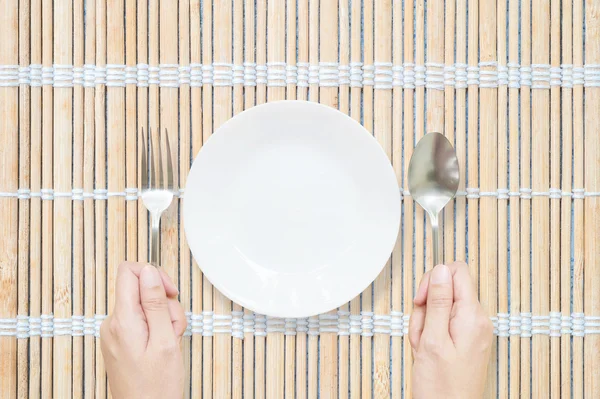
[313, 326]
[488, 74]
[343, 323]
[260, 326]
[434, 76]
[275, 325]
[591, 75]
[328, 323]
[290, 326]
[207, 323]
[381, 75]
[367, 323]
[132, 194]
[396, 324]
[238, 324]
[384, 75]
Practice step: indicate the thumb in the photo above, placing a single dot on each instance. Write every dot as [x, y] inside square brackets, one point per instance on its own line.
[439, 303]
[155, 306]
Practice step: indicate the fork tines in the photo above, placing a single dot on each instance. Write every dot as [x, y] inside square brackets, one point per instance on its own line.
[155, 180]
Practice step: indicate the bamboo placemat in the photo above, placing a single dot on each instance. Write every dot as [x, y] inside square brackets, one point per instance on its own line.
[514, 84]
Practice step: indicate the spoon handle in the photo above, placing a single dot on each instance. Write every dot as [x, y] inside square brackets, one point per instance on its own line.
[435, 230]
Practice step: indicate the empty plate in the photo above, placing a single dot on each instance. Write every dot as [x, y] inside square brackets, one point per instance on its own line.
[291, 209]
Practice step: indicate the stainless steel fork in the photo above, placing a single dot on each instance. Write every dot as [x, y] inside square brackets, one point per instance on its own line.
[157, 192]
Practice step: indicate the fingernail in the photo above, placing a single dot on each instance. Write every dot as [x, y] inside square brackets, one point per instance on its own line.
[149, 277]
[440, 275]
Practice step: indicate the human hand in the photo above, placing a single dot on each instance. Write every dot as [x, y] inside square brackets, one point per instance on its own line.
[450, 334]
[140, 340]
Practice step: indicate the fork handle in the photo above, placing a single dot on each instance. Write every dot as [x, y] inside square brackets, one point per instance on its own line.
[154, 239]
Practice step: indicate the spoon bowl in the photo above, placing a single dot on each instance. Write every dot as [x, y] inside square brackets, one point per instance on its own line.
[433, 178]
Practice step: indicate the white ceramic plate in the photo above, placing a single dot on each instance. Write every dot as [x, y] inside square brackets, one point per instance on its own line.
[291, 209]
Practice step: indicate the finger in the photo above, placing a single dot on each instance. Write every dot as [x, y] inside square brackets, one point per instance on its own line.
[127, 292]
[170, 287]
[463, 285]
[127, 295]
[415, 326]
[421, 297]
[439, 303]
[155, 306]
[417, 318]
[178, 319]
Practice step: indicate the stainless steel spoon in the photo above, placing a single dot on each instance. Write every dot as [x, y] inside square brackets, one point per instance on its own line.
[433, 177]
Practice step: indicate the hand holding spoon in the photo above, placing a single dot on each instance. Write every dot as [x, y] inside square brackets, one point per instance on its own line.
[433, 177]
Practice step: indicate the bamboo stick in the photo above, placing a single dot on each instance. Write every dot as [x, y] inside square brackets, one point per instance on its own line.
[9, 181]
[78, 215]
[409, 236]
[592, 203]
[100, 156]
[238, 106]
[461, 132]
[555, 166]
[207, 99]
[275, 53]
[566, 202]
[397, 163]
[472, 142]
[383, 133]
[63, 142]
[367, 301]
[355, 113]
[449, 120]
[422, 237]
[302, 94]
[313, 95]
[503, 235]
[488, 136]
[526, 204]
[183, 270]
[344, 106]
[89, 272]
[167, 112]
[435, 54]
[131, 132]
[540, 205]
[35, 228]
[578, 183]
[423, 252]
[290, 338]
[261, 49]
[115, 133]
[168, 116]
[261, 98]
[222, 112]
[328, 47]
[142, 124]
[249, 101]
[196, 131]
[514, 202]
[24, 205]
[47, 206]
